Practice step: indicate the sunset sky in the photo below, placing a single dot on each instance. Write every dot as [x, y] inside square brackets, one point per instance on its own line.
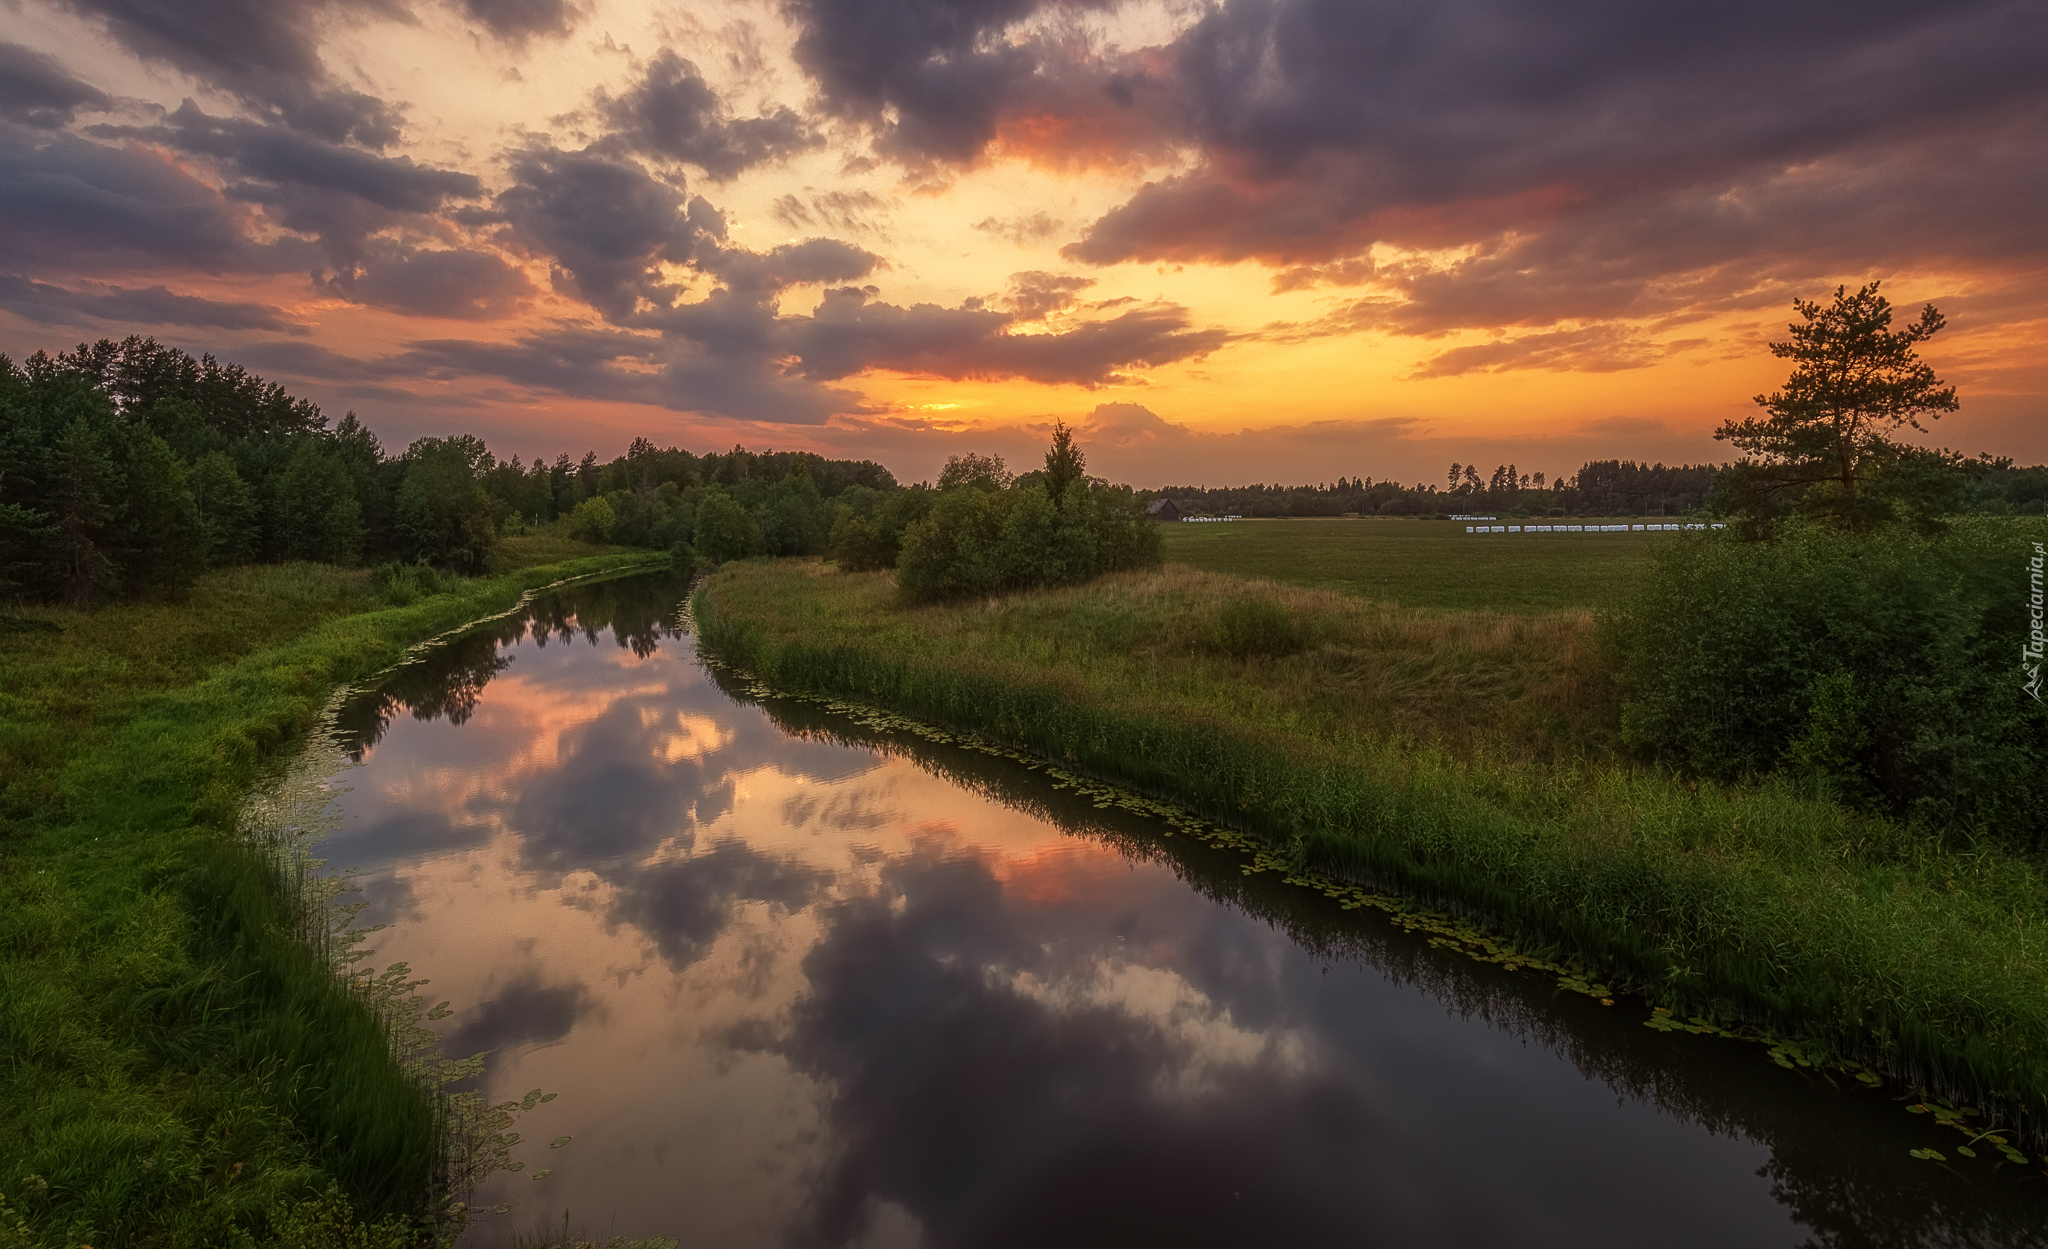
[1247, 240]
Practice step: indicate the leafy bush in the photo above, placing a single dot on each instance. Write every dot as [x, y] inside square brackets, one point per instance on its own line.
[592, 520]
[404, 584]
[975, 541]
[443, 513]
[868, 532]
[725, 530]
[1883, 666]
[1252, 625]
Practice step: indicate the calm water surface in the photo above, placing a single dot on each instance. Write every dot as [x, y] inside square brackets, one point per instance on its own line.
[800, 983]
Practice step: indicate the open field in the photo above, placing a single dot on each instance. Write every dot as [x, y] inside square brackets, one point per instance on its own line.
[1421, 563]
[1463, 759]
[179, 1066]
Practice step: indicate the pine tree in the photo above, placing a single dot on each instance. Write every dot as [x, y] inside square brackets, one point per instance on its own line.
[227, 510]
[163, 540]
[85, 490]
[1856, 383]
[1064, 463]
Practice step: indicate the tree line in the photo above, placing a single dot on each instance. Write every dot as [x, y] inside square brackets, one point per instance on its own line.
[1599, 488]
[1984, 484]
[130, 468]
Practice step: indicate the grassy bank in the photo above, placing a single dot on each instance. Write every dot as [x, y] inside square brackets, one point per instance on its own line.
[1421, 563]
[1463, 759]
[179, 1069]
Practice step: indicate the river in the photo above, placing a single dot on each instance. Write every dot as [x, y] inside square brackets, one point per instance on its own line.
[801, 982]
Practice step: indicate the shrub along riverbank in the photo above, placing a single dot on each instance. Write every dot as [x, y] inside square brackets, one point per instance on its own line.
[181, 1070]
[1472, 761]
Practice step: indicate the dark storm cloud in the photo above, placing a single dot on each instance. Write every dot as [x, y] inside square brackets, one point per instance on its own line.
[851, 332]
[340, 194]
[684, 904]
[457, 283]
[1465, 119]
[678, 371]
[1619, 163]
[156, 305]
[1671, 258]
[276, 154]
[604, 220]
[104, 208]
[36, 90]
[518, 20]
[672, 112]
[791, 264]
[932, 76]
[265, 52]
[1695, 158]
[315, 361]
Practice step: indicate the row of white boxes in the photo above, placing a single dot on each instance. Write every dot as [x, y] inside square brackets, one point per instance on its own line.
[1586, 528]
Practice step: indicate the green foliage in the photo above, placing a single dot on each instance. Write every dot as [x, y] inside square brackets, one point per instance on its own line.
[952, 552]
[868, 533]
[318, 515]
[1255, 625]
[227, 510]
[1064, 463]
[85, 509]
[982, 472]
[592, 521]
[165, 541]
[724, 530]
[402, 585]
[1882, 665]
[792, 519]
[443, 515]
[977, 540]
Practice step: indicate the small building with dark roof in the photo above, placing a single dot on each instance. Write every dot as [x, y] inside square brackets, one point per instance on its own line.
[1162, 509]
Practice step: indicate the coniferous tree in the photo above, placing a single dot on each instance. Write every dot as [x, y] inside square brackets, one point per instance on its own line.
[228, 510]
[163, 539]
[318, 516]
[1855, 384]
[83, 511]
[1064, 463]
[443, 514]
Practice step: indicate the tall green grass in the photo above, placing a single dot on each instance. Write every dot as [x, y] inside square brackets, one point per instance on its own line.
[182, 1066]
[1766, 903]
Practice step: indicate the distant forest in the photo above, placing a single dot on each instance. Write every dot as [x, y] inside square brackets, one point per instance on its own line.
[1599, 488]
[129, 468]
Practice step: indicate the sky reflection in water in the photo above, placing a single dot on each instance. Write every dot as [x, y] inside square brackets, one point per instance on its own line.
[798, 983]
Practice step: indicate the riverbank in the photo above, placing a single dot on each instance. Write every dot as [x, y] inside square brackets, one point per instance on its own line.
[1465, 760]
[179, 1065]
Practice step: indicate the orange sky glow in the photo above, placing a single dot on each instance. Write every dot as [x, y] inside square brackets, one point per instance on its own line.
[1257, 240]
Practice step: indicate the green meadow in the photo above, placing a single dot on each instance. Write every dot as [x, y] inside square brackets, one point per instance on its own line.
[185, 1066]
[1422, 563]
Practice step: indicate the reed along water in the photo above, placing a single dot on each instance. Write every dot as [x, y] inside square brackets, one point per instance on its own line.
[800, 982]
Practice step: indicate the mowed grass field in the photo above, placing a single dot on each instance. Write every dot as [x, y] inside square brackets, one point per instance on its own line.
[1422, 563]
